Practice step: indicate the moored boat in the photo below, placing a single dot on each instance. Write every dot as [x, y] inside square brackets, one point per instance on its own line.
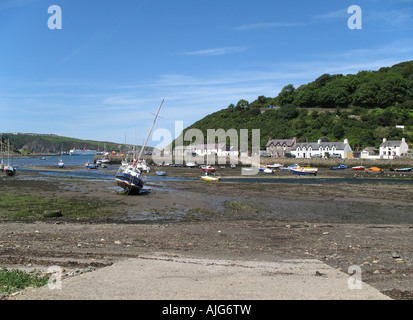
[161, 173]
[340, 167]
[10, 170]
[401, 169]
[304, 171]
[90, 165]
[210, 178]
[61, 164]
[129, 177]
[374, 170]
[358, 168]
[208, 168]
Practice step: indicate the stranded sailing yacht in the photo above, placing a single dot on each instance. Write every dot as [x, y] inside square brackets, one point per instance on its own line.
[129, 177]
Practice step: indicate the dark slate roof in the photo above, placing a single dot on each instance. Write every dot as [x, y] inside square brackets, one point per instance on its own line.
[316, 145]
[391, 143]
[287, 142]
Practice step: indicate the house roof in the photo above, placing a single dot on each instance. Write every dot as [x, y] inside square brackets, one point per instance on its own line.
[391, 143]
[287, 142]
[316, 145]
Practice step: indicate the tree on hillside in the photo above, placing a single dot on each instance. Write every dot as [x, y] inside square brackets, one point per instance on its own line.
[286, 96]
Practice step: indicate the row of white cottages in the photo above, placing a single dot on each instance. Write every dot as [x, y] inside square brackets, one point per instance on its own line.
[389, 149]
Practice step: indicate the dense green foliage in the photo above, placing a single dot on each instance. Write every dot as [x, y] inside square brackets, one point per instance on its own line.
[364, 108]
[53, 144]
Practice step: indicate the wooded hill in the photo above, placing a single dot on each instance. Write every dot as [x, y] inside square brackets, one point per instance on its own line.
[52, 144]
[363, 107]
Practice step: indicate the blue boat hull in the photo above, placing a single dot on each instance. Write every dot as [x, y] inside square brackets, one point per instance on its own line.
[129, 182]
[301, 173]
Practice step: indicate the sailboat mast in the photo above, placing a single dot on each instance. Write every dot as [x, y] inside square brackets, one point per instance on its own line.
[150, 131]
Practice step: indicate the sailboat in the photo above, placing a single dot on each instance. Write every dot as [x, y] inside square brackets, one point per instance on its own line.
[129, 177]
[1, 152]
[9, 169]
[61, 164]
[209, 169]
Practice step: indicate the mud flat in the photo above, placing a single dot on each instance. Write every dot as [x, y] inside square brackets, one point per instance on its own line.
[336, 217]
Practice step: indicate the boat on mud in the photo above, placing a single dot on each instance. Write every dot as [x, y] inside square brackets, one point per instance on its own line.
[358, 168]
[303, 171]
[401, 169]
[130, 177]
[340, 167]
[161, 173]
[374, 170]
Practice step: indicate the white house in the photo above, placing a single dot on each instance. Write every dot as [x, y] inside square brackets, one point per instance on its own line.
[219, 149]
[391, 149]
[322, 149]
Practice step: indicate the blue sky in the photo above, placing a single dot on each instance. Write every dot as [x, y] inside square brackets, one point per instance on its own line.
[109, 67]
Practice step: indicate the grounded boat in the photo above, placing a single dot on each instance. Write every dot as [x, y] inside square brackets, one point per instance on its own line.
[401, 169]
[10, 171]
[274, 166]
[210, 178]
[268, 170]
[340, 167]
[208, 169]
[130, 178]
[358, 168]
[302, 171]
[190, 164]
[82, 152]
[374, 170]
[161, 173]
[90, 165]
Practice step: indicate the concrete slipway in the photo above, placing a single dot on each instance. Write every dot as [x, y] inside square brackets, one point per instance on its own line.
[160, 277]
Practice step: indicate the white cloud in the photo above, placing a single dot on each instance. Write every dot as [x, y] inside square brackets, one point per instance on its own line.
[216, 51]
[266, 25]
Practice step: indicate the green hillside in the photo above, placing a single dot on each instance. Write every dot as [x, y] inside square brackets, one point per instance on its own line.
[364, 108]
[52, 144]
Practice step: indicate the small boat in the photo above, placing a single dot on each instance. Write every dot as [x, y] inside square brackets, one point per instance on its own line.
[358, 168]
[91, 165]
[302, 171]
[208, 168]
[42, 158]
[374, 170]
[61, 164]
[340, 167]
[10, 170]
[233, 166]
[190, 164]
[274, 166]
[401, 169]
[268, 170]
[161, 173]
[206, 177]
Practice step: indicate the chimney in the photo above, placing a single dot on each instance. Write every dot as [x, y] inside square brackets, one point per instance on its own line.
[319, 141]
[384, 140]
[346, 141]
[403, 140]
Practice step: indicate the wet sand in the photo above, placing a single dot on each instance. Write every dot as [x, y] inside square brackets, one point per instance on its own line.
[341, 218]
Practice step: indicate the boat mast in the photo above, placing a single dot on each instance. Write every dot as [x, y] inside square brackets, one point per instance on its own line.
[150, 131]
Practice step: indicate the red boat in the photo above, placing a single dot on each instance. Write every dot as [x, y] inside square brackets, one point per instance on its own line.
[208, 169]
[358, 168]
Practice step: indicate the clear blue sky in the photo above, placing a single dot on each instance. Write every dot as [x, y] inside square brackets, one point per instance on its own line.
[109, 67]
